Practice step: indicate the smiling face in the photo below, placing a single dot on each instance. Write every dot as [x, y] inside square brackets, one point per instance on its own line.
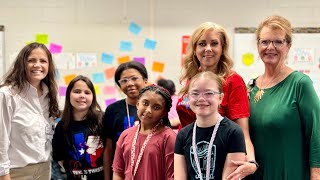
[203, 100]
[80, 98]
[151, 108]
[134, 82]
[208, 50]
[271, 55]
[37, 66]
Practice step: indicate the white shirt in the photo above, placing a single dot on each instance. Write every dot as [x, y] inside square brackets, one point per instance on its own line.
[25, 128]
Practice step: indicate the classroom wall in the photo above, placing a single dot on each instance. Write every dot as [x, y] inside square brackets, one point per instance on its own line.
[96, 26]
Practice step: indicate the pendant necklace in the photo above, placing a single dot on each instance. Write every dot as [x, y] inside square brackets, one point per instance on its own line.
[194, 148]
[260, 92]
[134, 167]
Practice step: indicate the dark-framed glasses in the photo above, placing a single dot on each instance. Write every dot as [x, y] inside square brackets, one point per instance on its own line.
[206, 95]
[125, 81]
[276, 43]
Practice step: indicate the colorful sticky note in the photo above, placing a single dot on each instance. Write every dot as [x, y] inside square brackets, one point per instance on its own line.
[123, 59]
[247, 59]
[68, 78]
[109, 72]
[134, 28]
[157, 66]
[125, 46]
[62, 90]
[96, 89]
[86, 60]
[140, 60]
[107, 58]
[55, 48]
[150, 44]
[107, 90]
[110, 101]
[98, 78]
[42, 38]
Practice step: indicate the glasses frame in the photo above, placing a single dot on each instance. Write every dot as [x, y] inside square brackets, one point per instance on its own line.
[132, 78]
[283, 41]
[202, 94]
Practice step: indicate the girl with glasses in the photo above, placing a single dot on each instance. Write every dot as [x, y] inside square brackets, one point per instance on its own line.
[205, 148]
[131, 77]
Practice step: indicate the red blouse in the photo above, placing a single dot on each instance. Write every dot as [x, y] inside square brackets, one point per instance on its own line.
[235, 103]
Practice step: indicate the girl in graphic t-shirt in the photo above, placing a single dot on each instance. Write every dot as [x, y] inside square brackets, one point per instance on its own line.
[206, 148]
[77, 141]
[146, 151]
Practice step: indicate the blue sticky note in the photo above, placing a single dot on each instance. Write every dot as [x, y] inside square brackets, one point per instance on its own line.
[150, 44]
[98, 78]
[107, 58]
[125, 46]
[134, 28]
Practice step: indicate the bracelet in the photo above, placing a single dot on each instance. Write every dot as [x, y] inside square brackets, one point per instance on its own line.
[254, 162]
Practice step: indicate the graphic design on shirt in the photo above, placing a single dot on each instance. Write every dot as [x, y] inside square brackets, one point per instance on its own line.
[125, 122]
[184, 102]
[202, 152]
[85, 153]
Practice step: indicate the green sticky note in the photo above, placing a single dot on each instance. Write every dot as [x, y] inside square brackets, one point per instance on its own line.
[42, 38]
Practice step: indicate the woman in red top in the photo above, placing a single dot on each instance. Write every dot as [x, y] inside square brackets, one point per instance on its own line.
[208, 51]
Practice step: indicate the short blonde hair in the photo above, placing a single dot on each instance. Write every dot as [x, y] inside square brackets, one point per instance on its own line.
[276, 22]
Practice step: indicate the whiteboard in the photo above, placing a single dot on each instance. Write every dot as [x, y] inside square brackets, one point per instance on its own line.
[2, 61]
[304, 55]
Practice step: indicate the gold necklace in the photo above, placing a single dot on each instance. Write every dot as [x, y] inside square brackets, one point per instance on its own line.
[260, 92]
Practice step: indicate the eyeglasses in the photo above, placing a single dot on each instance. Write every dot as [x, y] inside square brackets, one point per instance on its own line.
[206, 95]
[125, 81]
[276, 43]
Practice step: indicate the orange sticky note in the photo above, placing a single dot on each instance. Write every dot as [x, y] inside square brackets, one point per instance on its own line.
[123, 59]
[97, 89]
[157, 66]
[109, 72]
[68, 78]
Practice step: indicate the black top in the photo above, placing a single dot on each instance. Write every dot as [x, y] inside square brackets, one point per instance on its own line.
[84, 156]
[229, 139]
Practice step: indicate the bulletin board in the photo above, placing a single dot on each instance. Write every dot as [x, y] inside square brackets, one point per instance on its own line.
[304, 55]
[2, 62]
[100, 66]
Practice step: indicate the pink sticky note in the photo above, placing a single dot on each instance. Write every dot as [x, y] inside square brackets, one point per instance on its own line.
[140, 60]
[62, 90]
[109, 90]
[55, 48]
[110, 101]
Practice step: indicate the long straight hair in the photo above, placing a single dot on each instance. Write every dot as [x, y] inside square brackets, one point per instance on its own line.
[94, 114]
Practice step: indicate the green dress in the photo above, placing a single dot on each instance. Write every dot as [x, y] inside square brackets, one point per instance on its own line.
[285, 129]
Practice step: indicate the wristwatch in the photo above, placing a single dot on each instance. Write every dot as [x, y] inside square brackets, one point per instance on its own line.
[254, 162]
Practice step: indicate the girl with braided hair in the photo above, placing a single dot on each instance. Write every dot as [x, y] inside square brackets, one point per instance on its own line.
[146, 151]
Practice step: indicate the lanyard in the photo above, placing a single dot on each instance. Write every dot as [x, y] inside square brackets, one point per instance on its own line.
[133, 148]
[128, 114]
[196, 159]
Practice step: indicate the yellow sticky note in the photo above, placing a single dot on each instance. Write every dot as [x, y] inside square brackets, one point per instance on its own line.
[109, 72]
[157, 66]
[97, 89]
[68, 78]
[247, 59]
[42, 38]
[123, 59]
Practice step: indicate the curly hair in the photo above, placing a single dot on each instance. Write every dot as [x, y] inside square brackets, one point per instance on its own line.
[191, 63]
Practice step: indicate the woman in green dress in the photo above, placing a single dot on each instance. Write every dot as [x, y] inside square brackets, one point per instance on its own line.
[285, 110]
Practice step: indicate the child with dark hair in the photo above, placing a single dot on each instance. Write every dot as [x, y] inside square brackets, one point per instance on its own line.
[131, 77]
[173, 115]
[146, 151]
[78, 141]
